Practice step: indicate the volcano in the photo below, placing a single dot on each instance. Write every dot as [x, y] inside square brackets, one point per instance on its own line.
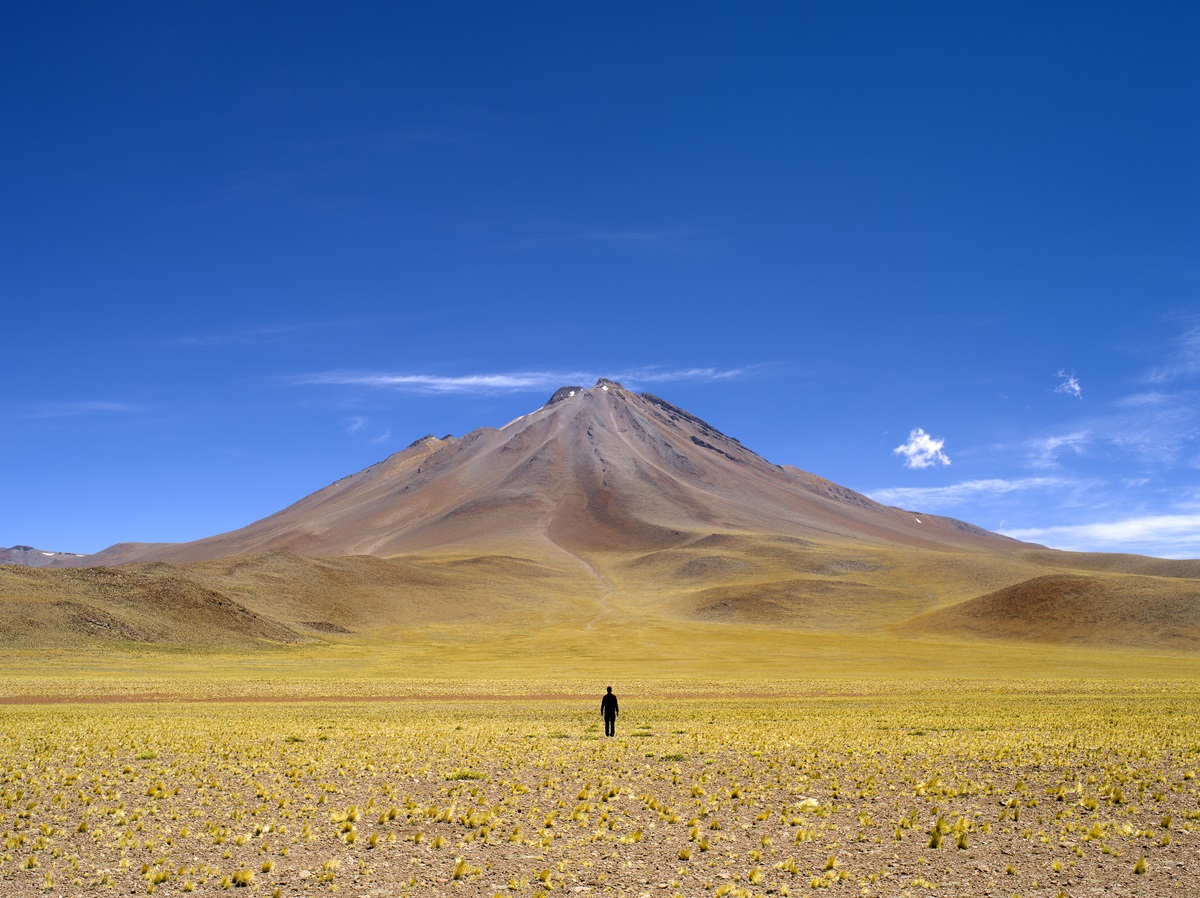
[592, 470]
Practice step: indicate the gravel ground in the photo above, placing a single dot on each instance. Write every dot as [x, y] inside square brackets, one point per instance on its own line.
[984, 794]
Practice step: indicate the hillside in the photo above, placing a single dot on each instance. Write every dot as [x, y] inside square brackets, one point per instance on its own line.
[1113, 609]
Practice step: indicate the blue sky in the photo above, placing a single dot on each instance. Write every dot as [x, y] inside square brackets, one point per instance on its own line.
[942, 253]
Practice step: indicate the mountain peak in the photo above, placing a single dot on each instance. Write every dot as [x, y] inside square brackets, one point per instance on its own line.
[563, 393]
[604, 385]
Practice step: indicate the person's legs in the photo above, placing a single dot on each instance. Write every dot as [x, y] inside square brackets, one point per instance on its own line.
[610, 726]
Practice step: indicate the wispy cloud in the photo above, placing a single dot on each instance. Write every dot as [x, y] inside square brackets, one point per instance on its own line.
[511, 381]
[922, 451]
[256, 336]
[969, 491]
[1184, 358]
[78, 409]
[299, 170]
[364, 143]
[364, 429]
[631, 235]
[558, 235]
[1159, 439]
[678, 375]
[516, 382]
[1156, 424]
[1151, 399]
[1044, 452]
[250, 336]
[1166, 535]
[1069, 384]
[1157, 427]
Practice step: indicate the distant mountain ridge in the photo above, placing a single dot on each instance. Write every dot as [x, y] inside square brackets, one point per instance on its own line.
[28, 556]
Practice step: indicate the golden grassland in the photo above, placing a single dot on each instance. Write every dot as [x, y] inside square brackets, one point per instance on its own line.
[679, 658]
[868, 787]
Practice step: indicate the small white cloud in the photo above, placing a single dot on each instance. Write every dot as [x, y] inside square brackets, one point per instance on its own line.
[922, 450]
[1069, 384]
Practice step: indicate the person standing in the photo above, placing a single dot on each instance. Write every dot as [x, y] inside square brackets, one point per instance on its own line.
[608, 710]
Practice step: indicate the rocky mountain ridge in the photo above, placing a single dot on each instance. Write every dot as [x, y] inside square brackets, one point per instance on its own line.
[28, 556]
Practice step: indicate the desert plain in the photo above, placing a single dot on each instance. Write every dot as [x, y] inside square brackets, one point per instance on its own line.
[326, 772]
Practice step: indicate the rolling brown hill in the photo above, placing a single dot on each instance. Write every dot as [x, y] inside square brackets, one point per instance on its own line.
[251, 601]
[601, 513]
[1122, 609]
